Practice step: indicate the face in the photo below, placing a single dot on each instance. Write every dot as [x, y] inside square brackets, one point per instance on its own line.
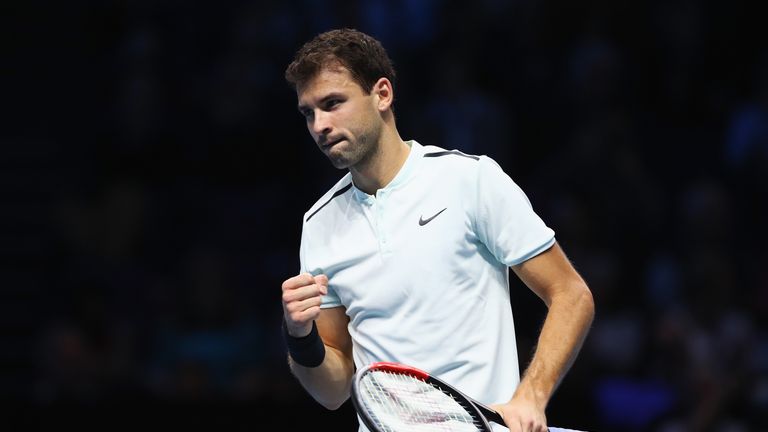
[343, 120]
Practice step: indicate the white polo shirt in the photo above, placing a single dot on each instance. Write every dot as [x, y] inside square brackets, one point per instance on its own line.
[421, 267]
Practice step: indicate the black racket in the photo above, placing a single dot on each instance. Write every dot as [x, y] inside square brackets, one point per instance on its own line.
[391, 397]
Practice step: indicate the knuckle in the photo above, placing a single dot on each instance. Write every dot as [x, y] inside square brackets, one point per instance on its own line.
[286, 285]
[287, 298]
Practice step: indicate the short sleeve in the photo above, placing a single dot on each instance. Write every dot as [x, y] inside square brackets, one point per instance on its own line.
[329, 300]
[505, 220]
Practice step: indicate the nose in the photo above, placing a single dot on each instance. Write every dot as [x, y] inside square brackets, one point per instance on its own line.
[321, 123]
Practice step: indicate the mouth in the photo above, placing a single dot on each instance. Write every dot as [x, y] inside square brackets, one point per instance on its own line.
[329, 144]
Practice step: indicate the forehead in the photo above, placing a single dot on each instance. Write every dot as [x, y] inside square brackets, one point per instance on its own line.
[327, 81]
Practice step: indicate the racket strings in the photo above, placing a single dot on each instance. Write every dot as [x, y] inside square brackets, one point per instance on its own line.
[404, 403]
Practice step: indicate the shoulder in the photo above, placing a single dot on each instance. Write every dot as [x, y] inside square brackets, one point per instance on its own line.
[441, 155]
[449, 162]
[456, 163]
[342, 187]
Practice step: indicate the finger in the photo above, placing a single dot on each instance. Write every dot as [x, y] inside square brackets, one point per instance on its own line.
[322, 282]
[515, 424]
[303, 293]
[321, 279]
[527, 426]
[301, 319]
[303, 305]
[298, 281]
[509, 421]
[534, 425]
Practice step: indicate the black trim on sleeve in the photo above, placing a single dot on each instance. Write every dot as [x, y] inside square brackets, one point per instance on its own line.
[451, 152]
[338, 192]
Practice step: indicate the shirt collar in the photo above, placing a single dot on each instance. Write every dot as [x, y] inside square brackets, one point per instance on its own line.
[403, 176]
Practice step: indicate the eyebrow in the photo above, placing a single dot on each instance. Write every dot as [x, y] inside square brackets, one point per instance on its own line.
[333, 95]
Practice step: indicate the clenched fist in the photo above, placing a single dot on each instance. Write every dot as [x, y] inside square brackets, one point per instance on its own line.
[302, 296]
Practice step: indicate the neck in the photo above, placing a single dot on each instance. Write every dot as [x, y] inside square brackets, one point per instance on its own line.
[383, 165]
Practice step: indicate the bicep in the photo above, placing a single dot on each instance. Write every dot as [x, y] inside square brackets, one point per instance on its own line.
[549, 274]
[332, 326]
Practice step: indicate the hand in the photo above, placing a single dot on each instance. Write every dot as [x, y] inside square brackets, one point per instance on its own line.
[301, 302]
[522, 415]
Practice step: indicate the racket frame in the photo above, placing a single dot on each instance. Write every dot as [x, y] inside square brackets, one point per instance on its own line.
[476, 409]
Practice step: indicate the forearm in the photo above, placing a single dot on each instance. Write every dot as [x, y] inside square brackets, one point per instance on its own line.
[562, 335]
[329, 383]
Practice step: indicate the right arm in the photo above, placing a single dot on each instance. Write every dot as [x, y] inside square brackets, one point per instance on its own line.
[330, 382]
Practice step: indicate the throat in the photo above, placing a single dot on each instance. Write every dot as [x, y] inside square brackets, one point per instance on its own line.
[380, 169]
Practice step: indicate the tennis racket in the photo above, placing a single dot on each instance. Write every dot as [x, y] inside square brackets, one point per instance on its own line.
[391, 397]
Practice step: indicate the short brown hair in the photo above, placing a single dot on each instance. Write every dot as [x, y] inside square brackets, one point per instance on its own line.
[364, 57]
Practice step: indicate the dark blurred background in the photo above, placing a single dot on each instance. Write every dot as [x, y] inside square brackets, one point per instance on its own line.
[155, 171]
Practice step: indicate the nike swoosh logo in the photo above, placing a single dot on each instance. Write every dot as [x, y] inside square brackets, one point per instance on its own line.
[423, 221]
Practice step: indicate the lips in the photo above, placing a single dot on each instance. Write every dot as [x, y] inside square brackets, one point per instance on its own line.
[331, 143]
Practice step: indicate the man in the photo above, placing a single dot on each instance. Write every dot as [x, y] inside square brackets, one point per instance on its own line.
[406, 258]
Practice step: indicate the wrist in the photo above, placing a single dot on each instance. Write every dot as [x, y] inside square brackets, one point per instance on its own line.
[298, 332]
[308, 350]
[532, 396]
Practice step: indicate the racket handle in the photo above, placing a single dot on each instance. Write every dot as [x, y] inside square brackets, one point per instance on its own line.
[490, 413]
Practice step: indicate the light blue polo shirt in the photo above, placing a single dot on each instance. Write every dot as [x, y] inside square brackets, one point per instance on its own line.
[422, 267]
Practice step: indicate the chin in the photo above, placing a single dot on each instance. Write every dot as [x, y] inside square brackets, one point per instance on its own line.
[342, 159]
[339, 162]
[339, 165]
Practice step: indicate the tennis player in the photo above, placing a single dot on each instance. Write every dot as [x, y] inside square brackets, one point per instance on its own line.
[406, 258]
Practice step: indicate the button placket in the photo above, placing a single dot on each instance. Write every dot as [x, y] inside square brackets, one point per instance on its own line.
[381, 202]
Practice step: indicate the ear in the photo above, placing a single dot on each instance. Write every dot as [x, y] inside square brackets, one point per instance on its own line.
[384, 94]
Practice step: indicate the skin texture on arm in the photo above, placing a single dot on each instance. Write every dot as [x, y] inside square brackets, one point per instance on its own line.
[571, 309]
[330, 383]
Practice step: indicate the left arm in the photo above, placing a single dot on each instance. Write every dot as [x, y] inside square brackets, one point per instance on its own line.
[571, 309]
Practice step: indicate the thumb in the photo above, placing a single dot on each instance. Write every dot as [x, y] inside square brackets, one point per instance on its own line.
[498, 408]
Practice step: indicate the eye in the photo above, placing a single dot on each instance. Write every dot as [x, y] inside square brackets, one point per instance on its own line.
[331, 103]
[307, 113]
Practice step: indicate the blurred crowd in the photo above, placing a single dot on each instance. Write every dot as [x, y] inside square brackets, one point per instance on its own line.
[157, 171]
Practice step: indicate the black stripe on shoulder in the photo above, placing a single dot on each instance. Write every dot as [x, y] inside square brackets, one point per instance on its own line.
[451, 152]
[338, 192]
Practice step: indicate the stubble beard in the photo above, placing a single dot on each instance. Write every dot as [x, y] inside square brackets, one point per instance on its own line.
[357, 154]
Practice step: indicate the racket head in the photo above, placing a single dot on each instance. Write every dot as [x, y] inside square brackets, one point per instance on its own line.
[391, 397]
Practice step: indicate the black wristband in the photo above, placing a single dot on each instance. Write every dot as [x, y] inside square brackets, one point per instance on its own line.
[309, 350]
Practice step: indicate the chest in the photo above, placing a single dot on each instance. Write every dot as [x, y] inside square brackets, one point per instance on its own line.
[395, 250]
